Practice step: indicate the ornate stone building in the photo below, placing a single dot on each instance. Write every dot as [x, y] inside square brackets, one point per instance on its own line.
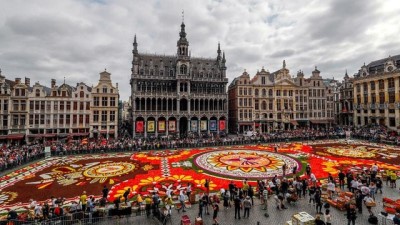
[276, 101]
[104, 110]
[377, 93]
[345, 102]
[58, 112]
[178, 94]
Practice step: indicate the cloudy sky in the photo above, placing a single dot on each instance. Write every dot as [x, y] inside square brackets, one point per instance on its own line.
[77, 39]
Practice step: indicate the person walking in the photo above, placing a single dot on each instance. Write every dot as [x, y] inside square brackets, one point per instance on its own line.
[182, 201]
[189, 190]
[318, 220]
[284, 170]
[225, 200]
[250, 193]
[215, 213]
[246, 206]
[201, 205]
[341, 176]
[238, 205]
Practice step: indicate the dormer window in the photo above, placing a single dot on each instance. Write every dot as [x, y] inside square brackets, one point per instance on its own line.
[104, 89]
[183, 69]
[63, 93]
[37, 93]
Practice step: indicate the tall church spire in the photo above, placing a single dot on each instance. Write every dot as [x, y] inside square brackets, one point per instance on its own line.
[219, 52]
[135, 51]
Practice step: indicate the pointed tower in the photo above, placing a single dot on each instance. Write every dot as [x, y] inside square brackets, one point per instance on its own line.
[182, 44]
[219, 53]
[134, 51]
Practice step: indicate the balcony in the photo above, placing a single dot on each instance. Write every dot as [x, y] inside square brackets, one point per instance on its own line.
[373, 106]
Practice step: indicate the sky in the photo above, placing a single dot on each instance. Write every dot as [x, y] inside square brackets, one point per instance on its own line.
[78, 39]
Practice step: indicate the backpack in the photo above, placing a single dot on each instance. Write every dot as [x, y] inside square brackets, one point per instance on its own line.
[373, 220]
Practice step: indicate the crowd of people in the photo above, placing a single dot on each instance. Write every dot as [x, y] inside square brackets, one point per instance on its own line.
[12, 156]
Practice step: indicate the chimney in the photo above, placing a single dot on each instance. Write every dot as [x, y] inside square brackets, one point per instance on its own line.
[27, 81]
[53, 83]
[17, 80]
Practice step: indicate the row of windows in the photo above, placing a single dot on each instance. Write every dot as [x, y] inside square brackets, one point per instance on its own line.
[381, 85]
[104, 115]
[45, 119]
[104, 101]
[382, 99]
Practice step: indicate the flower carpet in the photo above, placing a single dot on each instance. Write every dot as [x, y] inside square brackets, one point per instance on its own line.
[173, 170]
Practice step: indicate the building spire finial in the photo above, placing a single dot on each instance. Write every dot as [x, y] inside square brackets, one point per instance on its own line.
[183, 16]
[135, 51]
[284, 64]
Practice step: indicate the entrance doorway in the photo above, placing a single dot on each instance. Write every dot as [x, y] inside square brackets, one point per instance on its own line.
[183, 126]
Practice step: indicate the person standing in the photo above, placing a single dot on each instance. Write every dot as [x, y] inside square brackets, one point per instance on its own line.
[341, 176]
[351, 214]
[318, 220]
[284, 170]
[226, 200]
[126, 194]
[318, 201]
[265, 198]
[105, 192]
[215, 213]
[189, 190]
[251, 194]
[201, 205]
[207, 186]
[328, 217]
[83, 200]
[237, 204]
[247, 206]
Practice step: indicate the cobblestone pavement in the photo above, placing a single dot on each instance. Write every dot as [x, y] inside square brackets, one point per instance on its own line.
[226, 216]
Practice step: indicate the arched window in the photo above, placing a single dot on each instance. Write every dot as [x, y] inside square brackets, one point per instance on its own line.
[183, 69]
[256, 92]
[264, 105]
[82, 94]
[171, 73]
[37, 93]
[104, 89]
[270, 92]
[264, 92]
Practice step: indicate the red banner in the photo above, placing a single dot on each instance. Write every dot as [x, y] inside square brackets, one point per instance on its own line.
[222, 125]
[139, 127]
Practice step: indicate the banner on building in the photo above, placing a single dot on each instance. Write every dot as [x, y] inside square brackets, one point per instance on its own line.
[194, 125]
[172, 125]
[150, 126]
[213, 125]
[161, 125]
[222, 125]
[139, 126]
[203, 125]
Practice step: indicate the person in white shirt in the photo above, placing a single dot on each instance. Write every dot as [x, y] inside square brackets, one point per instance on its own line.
[313, 179]
[369, 202]
[330, 188]
[38, 211]
[354, 185]
[328, 217]
[32, 204]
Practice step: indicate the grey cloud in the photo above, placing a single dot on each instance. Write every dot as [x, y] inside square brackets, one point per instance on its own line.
[283, 53]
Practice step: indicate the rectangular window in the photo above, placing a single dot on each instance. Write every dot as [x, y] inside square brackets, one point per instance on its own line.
[61, 120]
[68, 106]
[112, 116]
[31, 119]
[87, 105]
[42, 119]
[67, 119]
[81, 106]
[62, 105]
[392, 122]
[103, 116]
[80, 119]
[104, 101]
[74, 119]
[75, 105]
[15, 105]
[95, 116]
[55, 105]
[112, 101]
[87, 119]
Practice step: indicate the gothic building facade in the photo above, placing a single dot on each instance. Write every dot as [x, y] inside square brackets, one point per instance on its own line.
[178, 94]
